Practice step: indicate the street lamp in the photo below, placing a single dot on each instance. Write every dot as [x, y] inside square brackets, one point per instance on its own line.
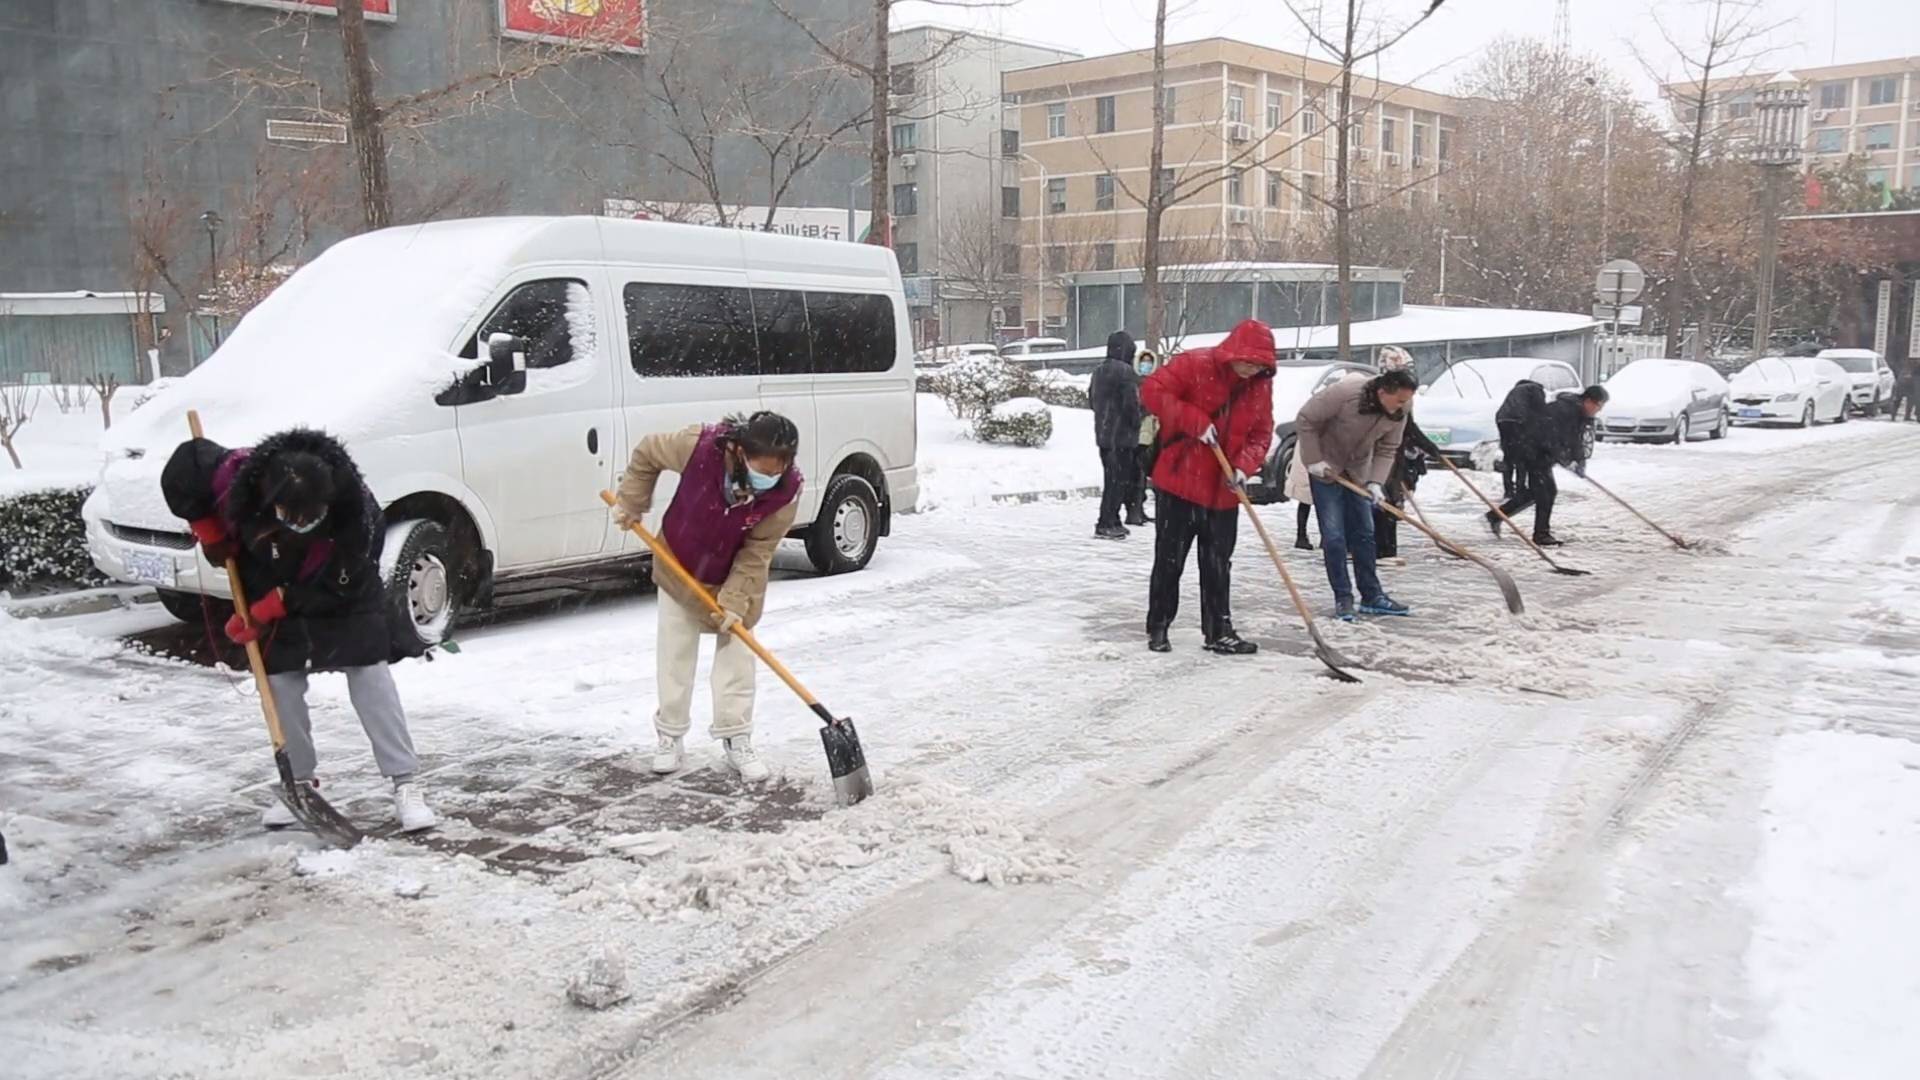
[1775, 148]
[1447, 237]
[1040, 273]
[212, 221]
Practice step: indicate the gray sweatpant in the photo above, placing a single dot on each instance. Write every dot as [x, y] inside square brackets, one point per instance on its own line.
[377, 701]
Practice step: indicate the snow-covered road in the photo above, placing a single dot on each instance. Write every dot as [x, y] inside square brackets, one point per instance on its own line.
[1662, 824]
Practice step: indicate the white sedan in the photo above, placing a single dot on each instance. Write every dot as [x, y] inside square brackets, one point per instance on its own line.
[1868, 376]
[1669, 401]
[1802, 390]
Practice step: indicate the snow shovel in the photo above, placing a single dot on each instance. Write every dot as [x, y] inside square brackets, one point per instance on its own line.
[1677, 541]
[1411, 501]
[846, 761]
[1504, 579]
[303, 800]
[1336, 663]
[1495, 507]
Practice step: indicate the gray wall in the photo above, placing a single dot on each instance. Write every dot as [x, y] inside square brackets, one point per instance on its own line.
[103, 100]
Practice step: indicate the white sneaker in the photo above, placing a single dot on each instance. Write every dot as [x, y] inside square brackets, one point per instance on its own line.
[666, 757]
[745, 760]
[277, 816]
[411, 808]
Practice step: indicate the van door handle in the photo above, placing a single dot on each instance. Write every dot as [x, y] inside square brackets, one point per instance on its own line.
[593, 440]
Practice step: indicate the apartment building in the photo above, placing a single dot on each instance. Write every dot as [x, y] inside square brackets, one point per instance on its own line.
[1249, 144]
[946, 145]
[1869, 110]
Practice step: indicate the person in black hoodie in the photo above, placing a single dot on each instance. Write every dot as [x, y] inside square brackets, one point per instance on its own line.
[1537, 435]
[1114, 393]
[306, 534]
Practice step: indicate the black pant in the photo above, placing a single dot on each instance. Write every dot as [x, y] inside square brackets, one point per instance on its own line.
[1386, 534]
[1537, 489]
[1116, 484]
[1137, 497]
[1901, 394]
[1177, 523]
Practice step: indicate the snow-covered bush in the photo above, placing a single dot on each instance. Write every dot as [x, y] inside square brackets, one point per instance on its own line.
[43, 541]
[1056, 387]
[1023, 422]
[973, 386]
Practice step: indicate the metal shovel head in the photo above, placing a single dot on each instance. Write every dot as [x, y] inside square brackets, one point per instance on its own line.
[846, 761]
[313, 811]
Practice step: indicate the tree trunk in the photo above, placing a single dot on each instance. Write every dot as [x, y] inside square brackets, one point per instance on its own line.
[1156, 196]
[106, 409]
[363, 117]
[881, 230]
[1343, 198]
[11, 453]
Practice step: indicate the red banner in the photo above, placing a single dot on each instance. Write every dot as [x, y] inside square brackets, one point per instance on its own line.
[376, 9]
[607, 24]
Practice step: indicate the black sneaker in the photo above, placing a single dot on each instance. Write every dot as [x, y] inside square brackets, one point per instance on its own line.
[1343, 610]
[1110, 532]
[1301, 543]
[1548, 540]
[1493, 524]
[1231, 644]
[1157, 641]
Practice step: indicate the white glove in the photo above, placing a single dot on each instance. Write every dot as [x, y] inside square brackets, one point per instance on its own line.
[725, 622]
[1210, 437]
[621, 519]
[1321, 470]
[1239, 480]
[1379, 494]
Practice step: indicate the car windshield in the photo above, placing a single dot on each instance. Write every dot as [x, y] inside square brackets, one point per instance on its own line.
[1468, 381]
[1854, 365]
[1770, 370]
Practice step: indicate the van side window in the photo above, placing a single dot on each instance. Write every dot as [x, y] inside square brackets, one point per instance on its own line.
[555, 316]
[780, 323]
[851, 332]
[689, 330]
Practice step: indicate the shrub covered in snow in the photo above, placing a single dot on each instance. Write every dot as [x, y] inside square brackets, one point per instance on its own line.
[1057, 387]
[972, 387]
[43, 541]
[1023, 422]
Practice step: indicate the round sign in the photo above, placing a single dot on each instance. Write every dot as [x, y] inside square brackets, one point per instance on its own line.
[1620, 282]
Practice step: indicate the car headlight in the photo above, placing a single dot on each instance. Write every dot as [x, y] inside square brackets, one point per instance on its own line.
[1786, 397]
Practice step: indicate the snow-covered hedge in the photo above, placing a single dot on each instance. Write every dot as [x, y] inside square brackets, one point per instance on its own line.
[43, 541]
[1022, 422]
[973, 386]
[1056, 387]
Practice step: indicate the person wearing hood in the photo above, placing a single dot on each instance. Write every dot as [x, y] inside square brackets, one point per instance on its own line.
[1219, 398]
[1353, 430]
[1114, 393]
[306, 533]
[1143, 365]
[1408, 466]
[1539, 435]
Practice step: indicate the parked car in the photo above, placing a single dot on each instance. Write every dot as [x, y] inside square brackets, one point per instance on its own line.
[490, 377]
[1801, 390]
[1027, 350]
[1456, 407]
[1869, 377]
[1669, 401]
[1294, 381]
[941, 355]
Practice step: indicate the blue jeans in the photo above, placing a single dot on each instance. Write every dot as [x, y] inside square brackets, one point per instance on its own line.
[1346, 527]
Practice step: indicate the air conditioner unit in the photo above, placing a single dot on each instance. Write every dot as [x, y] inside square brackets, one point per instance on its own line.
[1914, 107]
[1419, 161]
[1239, 132]
[1393, 160]
[1821, 117]
[908, 161]
[1239, 215]
[1364, 154]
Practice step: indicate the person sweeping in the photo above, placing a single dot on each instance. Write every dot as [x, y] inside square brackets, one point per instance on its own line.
[737, 497]
[1354, 429]
[1542, 435]
[306, 534]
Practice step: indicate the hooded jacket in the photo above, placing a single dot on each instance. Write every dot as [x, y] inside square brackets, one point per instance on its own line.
[1199, 387]
[1114, 393]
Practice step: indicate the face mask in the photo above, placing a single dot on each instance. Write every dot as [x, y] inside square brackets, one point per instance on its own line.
[760, 481]
[1144, 369]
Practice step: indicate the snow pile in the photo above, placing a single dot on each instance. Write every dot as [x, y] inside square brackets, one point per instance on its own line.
[1835, 949]
[602, 983]
[957, 470]
[60, 450]
[1023, 422]
[740, 873]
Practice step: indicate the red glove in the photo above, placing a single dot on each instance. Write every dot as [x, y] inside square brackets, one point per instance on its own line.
[214, 541]
[269, 609]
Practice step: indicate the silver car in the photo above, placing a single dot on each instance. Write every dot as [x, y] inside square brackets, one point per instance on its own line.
[1664, 401]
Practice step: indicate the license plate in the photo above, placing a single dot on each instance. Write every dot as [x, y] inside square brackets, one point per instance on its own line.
[1747, 414]
[1441, 436]
[150, 569]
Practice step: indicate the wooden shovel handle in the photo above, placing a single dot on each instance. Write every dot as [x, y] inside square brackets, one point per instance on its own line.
[1495, 507]
[1299, 602]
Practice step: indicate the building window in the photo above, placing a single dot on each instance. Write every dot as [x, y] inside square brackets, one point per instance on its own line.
[1276, 110]
[1833, 95]
[1829, 140]
[905, 137]
[1057, 120]
[1389, 135]
[1103, 186]
[903, 78]
[1237, 188]
[1010, 259]
[1103, 256]
[1009, 142]
[906, 200]
[1883, 91]
[1236, 106]
[1309, 122]
[1169, 98]
[1057, 195]
[1419, 142]
[909, 256]
[1009, 202]
[1309, 187]
[1446, 145]
[1877, 137]
[1276, 190]
[1913, 179]
[1739, 108]
[1057, 259]
[1166, 182]
[1103, 114]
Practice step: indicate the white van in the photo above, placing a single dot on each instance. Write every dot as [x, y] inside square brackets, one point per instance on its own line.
[490, 377]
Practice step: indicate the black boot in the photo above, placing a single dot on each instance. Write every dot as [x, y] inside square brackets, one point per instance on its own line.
[1231, 644]
[1110, 532]
[1547, 540]
[1301, 542]
[1157, 641]
[1137, 515]
[1493, 524]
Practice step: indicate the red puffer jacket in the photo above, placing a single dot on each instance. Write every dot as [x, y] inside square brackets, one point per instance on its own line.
[1186, 393]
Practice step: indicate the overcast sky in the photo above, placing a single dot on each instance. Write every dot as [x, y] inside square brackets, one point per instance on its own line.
[1817, 32]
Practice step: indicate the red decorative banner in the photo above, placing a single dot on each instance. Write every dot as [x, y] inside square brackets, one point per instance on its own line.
[376, 9]
[605, 24]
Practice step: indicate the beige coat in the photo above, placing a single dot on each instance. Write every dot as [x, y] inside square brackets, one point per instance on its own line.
[745, 591]
[1333, 429]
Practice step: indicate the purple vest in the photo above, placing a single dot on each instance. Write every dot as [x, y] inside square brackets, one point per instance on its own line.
[705, 533]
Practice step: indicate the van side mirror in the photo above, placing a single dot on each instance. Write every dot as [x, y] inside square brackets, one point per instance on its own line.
[506, 370]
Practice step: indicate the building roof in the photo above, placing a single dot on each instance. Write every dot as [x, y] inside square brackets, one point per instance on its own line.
[1890, 66]
[1045, 46]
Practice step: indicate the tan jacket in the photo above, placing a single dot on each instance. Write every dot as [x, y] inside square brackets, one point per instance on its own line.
[745, 591]
[1334, 430]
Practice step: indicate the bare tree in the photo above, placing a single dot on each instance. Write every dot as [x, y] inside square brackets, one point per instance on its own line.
[67, 378]
[105, 384]
[18, 403]
[363, 116]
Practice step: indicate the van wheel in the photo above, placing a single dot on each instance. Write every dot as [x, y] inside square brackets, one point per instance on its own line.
[420, 600]
[843, 537]
[186, 606]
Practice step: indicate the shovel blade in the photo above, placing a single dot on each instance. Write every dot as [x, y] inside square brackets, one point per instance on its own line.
[312, 811]
[1337, 665]
[846, 761]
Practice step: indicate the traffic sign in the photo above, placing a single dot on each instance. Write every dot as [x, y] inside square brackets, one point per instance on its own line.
[1626, 315]
[1620, 282]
